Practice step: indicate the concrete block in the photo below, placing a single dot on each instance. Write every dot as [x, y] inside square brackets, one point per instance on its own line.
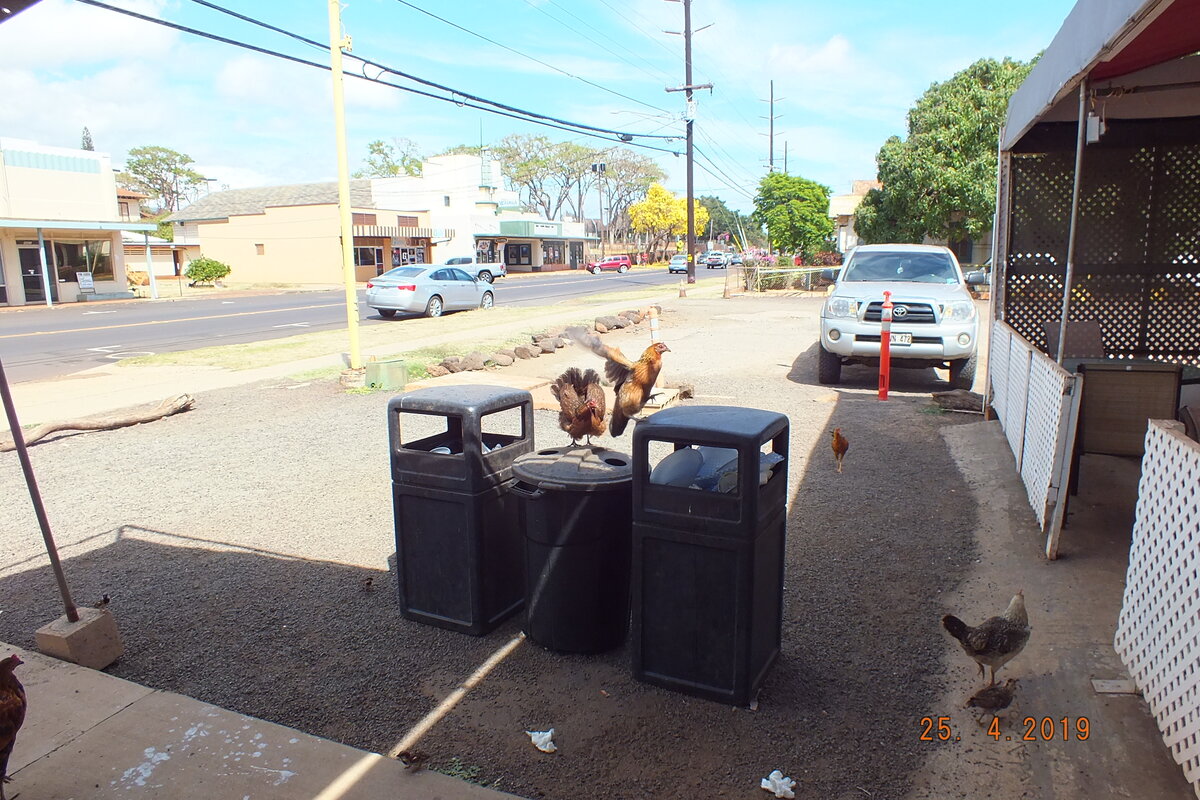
[93, 641]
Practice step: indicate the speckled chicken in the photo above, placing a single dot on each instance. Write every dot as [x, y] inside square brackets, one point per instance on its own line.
[633, 381]
[996, 640]
[12, 713]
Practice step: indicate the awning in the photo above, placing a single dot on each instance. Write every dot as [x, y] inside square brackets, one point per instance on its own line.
[77, 225]
[511, 238]
[1102, 39]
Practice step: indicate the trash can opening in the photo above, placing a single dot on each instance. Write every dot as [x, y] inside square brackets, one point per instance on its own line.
[432, 433]
[501, 428]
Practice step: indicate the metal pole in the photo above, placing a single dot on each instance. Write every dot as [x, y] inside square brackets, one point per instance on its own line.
[45, 268]
[1080, 141]
[771, 130]
[336, 43]
[150, 267]
[39, 510]
[687, 79]
[885, 346]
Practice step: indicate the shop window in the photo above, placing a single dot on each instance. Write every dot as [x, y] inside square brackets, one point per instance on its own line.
[260, 249]
[368, 256]
[90, 255]
[364, 219]
[552, 253]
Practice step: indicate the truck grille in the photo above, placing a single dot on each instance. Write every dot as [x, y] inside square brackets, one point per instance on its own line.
[917, 313]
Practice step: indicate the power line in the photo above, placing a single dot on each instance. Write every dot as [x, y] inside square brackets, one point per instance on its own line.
[526, 55]
[579, 129]
[415, 78]
[723, 176]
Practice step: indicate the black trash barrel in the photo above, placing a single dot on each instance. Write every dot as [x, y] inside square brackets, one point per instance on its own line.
[575, 511]
[708, 550]
[459, 549]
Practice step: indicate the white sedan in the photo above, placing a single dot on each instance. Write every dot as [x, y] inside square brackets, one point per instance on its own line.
[428, 289]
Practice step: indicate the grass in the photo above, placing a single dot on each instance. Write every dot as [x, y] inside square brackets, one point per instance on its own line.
[470, 773]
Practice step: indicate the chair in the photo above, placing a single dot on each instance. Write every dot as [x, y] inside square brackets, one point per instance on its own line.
[1084, 339]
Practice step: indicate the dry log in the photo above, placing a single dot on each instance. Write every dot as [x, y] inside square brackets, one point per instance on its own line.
[172, 405]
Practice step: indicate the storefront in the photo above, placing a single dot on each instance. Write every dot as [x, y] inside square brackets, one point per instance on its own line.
[534, 246]
[378, 248]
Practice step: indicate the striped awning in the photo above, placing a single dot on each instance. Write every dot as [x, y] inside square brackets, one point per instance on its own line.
[402, 232]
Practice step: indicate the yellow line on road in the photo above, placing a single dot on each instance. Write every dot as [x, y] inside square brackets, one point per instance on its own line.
[166, 321]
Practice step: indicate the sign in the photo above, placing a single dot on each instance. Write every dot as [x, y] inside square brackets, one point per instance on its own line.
[86, 281]
[550, 228]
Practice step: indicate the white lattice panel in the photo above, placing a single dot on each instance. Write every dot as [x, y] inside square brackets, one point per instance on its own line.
[998, 370]
[1158, 636]
[1019, 353]
[1045, 429]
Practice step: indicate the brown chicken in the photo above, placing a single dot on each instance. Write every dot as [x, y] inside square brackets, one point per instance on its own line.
[840, 446]
[581, 400]
[996, 640]
[12, 713]
[633, 381]
[994, 699]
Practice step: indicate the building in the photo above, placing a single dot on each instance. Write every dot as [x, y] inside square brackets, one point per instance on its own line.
[455, 208]
[60, 225]
[842, 210]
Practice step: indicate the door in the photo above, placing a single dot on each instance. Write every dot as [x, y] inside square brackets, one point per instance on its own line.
[466, 294]
[31, 273]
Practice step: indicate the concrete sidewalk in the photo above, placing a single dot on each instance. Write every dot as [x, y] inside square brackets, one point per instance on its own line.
[88, 734]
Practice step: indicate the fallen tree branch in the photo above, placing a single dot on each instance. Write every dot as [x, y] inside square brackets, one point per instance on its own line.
[172, 405]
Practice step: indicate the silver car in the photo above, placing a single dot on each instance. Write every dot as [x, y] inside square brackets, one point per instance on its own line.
[428, 289]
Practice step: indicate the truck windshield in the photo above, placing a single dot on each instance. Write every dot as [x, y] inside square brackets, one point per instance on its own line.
[917, 267]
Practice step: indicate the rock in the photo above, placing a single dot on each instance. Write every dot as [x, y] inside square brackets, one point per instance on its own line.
[633, 315]
[526, 351]
[502, 359]
[622, 322]
[576, 332]
[557, 331]
[474, 361]
[558, 341]
[436, 370]
[609, 322]
[537, 337]
[686, 391]
[507, 352]
[453, 363]
[547, 345]
[601, 327]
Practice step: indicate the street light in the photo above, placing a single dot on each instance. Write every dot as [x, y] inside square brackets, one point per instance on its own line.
[599, 169]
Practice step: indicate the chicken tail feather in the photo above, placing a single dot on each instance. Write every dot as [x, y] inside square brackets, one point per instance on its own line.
[619, 421]
[957, 628]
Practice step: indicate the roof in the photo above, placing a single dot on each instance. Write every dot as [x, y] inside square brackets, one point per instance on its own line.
[140, 239]
[1101, 39]
[236, 202]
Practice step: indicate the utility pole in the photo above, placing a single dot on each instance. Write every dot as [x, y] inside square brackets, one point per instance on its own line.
[691, 118]
[599, 169]
[771, 117]
[785, 170]
[336, 43]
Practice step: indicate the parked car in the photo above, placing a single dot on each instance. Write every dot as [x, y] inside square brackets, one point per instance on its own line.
[616, 263]
[716, 258]
[483, 271]
[678, 263]
[428, 289]
[736, 259]
[934, 322]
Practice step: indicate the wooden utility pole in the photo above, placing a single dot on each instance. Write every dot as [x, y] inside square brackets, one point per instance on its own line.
[691, 118]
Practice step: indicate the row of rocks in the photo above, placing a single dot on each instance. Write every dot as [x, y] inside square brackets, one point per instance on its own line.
[546, 342]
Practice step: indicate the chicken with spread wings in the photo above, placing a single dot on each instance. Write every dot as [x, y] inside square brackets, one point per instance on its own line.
[581, 402]
[633, 381]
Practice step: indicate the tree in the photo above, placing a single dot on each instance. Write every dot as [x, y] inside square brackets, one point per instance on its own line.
[630, 175]
[941, 181]
[662, 216]
[86, 140]
[461, 150]
[161, 173]
[796, 213]
[546, 174]
[390, 160]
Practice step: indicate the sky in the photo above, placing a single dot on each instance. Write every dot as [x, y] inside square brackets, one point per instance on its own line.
[845, 75]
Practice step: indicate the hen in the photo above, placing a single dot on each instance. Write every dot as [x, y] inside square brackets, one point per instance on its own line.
[840, 446]
[996, 640]
[633, 381]
[12, 713]
[581, 400]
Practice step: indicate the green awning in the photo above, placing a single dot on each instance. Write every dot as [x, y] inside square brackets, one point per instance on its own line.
[76, 225]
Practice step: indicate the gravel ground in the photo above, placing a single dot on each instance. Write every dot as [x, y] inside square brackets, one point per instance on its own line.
[234, 540]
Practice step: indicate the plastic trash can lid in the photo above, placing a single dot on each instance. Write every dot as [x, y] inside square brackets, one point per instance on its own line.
[576, 467]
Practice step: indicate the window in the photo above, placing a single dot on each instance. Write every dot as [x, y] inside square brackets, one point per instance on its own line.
[368, 256]
[259, 249]
[406, 222]
[364, 219]
[552, 253]
[459, 275]
[3, 288]
[124, 209]
[83, 255]
[446, 199]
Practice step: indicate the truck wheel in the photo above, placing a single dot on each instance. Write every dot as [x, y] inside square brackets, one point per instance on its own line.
[829, 367]
[962, 372]
[486, 276]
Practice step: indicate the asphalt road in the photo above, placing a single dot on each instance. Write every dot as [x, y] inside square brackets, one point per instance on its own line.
[37, 343]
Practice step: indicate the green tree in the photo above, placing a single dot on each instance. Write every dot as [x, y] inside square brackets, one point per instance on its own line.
[796, 213]
[547, 174]
[941, 180]
[162, 173]
[663, 216]
[728, 225]
[627, 180]
[390, 160]
[85, 142]
[461, 150]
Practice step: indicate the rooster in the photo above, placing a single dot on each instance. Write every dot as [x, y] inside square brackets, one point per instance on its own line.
[12, 713]
[840, 446]
[996, 640]
[633, 381]
[581, 400]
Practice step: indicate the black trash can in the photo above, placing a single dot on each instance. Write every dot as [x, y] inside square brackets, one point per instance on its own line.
[575, 512]
[459, 549]
[708, 550]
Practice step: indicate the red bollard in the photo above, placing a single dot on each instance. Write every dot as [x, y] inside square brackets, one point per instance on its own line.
[885, 346]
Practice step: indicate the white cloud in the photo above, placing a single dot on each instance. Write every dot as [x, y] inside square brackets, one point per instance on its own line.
[59, 33]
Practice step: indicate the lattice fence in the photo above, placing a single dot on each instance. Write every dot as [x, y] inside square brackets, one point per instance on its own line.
[998, 369]
[1045, 431]
[1019, 354]
[1137, 265]
[1158, 636]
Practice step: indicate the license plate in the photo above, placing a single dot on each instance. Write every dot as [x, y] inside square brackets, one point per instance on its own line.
[901, 338]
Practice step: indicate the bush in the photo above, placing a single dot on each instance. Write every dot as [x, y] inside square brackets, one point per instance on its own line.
[827, 259]
[206, 270]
